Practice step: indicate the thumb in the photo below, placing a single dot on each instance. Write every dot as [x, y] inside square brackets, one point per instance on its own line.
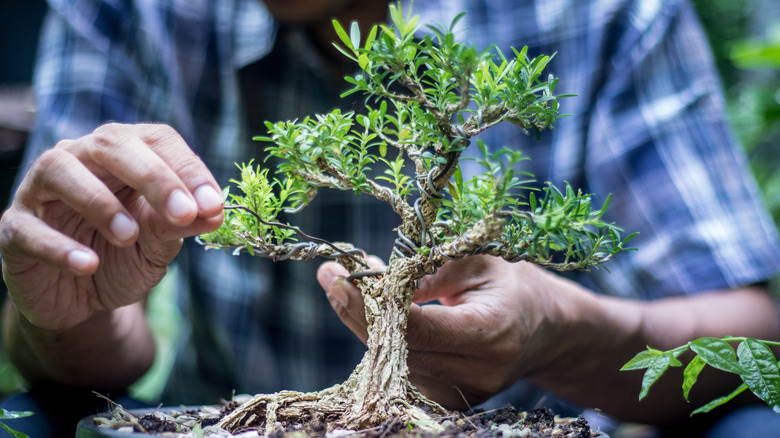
[344, 298]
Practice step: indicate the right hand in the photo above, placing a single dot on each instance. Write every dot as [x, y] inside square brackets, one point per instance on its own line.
[96, 221]
[496, 322]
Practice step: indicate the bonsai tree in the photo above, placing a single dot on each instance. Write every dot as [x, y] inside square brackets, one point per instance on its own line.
[426, 99]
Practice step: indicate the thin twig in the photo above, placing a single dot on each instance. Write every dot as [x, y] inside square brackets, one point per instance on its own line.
[297, 230]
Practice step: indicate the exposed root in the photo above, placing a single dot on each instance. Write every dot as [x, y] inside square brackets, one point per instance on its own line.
[420, 399]
[198, 422]
[331, 407]
[271, 411]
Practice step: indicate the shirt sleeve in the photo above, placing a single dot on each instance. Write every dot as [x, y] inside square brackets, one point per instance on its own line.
[102, 61]
[659, 141]
[81, 79]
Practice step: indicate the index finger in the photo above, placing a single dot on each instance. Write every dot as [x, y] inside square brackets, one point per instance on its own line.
[156, 162]
[190, 168]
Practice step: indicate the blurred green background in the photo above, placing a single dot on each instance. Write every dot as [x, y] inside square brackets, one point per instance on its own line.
[745, 37]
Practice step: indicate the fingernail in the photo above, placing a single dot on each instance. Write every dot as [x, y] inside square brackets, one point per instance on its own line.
[338, 291]
[180, 205]
[207, 198]
[80, 260]
[123, 227]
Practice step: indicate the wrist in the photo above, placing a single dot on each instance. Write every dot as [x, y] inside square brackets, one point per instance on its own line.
[110, 349]
[590, 333]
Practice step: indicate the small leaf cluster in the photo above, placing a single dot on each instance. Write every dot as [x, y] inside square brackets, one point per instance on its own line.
[317, 149]
[267, 199]
[432, 82]
[753, 361]
[427, 97]
[495, 189]
[446, 75]
[562, 223]
[565, 224]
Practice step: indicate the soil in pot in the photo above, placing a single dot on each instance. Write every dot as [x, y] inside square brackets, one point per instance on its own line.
[200, 422]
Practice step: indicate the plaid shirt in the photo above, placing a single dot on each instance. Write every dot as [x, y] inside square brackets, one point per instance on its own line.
[647, 126]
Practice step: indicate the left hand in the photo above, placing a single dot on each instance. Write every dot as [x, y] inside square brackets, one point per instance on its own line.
[497, 322]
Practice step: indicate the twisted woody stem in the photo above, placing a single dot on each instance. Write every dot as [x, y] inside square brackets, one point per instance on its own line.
[337, 250]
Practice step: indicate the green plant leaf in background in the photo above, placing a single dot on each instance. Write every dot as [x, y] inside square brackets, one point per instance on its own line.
[748, 54]
[720, 400]
[753, 362]
[691, 374]
[13, 415]
[717, 353]
[760, 372]
[745, 40]
[656, 362]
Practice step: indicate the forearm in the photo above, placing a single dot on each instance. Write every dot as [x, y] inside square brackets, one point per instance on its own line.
[613, 330]
[109, 350]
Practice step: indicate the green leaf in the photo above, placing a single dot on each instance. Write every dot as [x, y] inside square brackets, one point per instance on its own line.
[691, 374]
[354, 35]
[642, 360]
[14, 433]
[363, 61]
[397, 16]
[455, 21]
[754, 55]
[760, 372]
[719, 401]
[717, 353]
[371, 37]
[656, 362]
[604, 206]
[342, 34]
[654, 372]
[12, 415]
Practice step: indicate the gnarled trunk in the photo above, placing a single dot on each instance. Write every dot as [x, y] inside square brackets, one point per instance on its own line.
[378, 388]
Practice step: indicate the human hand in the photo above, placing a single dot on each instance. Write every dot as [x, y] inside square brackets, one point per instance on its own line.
[497, 322]
[96, 221]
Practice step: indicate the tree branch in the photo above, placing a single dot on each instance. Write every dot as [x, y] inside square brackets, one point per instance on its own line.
[293, 251]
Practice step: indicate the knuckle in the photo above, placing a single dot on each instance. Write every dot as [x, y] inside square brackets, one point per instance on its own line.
[172, 148]
[154, 174]
[159, 133]
[64, 144]
[10, 230]
[47, 158]
[156, 230]
[46, 167]
[105, 135]
[503, 354]
[100, 203]
[169, 142]
[189, 165]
